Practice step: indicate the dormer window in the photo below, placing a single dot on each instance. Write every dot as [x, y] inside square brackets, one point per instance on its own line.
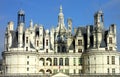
[37, 43]
[110, 48]
[80, 42]
[79, 50]
[110, 40]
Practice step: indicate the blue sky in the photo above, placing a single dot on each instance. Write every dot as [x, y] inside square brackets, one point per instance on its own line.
[45, 12]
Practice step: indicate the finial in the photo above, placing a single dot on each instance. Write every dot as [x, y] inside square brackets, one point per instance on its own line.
[31, 23]
[21, 12]
[60, 8]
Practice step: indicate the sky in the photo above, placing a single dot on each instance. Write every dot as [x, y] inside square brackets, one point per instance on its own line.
[45, 12]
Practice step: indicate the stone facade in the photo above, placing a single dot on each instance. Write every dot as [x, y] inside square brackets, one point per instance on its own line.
[89, 49]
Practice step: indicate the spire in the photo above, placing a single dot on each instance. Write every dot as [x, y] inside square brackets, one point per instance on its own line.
[61, 16]
[61, 24]
[31, 23]
[60, 8]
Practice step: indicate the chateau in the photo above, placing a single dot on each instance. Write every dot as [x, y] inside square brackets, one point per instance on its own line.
[85, 50]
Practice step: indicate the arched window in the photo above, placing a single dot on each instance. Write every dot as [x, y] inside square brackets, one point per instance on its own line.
[61, 61]
[55, 62]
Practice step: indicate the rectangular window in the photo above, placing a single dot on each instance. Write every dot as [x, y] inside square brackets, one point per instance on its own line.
[108, 70]
[46, 42]
[37, 43]
[46, 50]
[113, 70]
[110, 40]
[107, 59]
[67, 71]
[74, 61]
[61, 70]
[27, 69]
[26, 39]
[113, 59]
[55, 61]
[79, 50]
[66, 61]
[73, 51]
[80, 71]
[80, 42]
[26, 48]
[110, 48]
[55, 71]
[74, 71]
[6, 69]
[28, 57]
[27, 62]
[80, 61]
